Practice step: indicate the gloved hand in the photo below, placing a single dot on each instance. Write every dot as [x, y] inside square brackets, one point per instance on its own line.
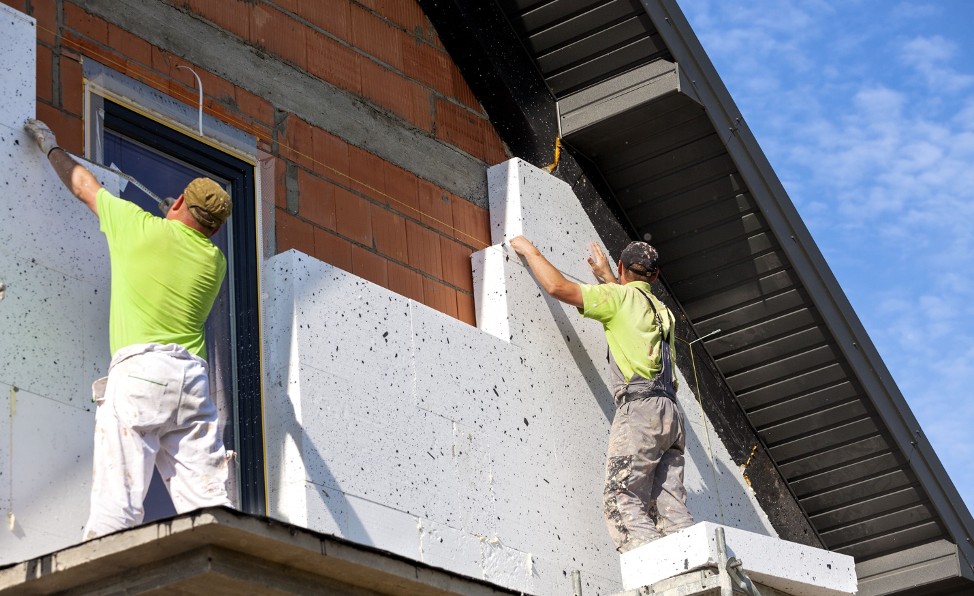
[41, 134]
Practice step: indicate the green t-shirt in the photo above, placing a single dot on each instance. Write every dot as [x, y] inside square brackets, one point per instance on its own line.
[630, 326]
[165, 277]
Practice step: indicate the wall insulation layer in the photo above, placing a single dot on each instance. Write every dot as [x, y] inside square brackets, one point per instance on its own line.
[54, 321]
[477, 450]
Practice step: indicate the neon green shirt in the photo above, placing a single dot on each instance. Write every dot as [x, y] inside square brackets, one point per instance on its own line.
[630, 326]
[165, 277]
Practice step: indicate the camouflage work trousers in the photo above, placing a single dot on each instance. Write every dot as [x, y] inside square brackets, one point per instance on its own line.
[644, 494]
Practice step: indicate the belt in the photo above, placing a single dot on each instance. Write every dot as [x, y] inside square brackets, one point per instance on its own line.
[628, 397]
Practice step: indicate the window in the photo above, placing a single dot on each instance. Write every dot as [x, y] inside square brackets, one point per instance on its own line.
[164, 160]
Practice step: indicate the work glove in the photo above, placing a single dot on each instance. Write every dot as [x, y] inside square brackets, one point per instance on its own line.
[41, 134]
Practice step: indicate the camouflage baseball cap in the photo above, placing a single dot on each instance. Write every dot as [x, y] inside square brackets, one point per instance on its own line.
[641, 258]
[208, 202]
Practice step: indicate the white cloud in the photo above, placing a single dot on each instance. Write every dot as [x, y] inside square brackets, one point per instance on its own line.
[866, 115]
[929, 58]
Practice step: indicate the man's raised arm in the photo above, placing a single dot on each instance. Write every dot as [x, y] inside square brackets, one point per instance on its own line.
[549, 278]
[76, 177]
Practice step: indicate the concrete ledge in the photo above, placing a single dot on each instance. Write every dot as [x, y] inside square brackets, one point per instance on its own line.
[786, 566]
[221, 551]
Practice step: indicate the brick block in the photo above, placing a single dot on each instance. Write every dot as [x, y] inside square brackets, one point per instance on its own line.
[472, 223]
[369, 265]
[462, 91]
[214, 86]
[402, 188]
[297, 143]
[46, 15]
[163, 61]
[495, 151]
[466, 309]
[331, 155]
[332, 16]
[45, 77]
[353, 217]
[456, 264]
[376, 38]
[422, 105]
[428, 65]
[132, 47]
[279, 34]
[316, 200]
[407, 15]
[333, 249]
[292, 232]
[460, 127]
[402, 97]
[334, 62]
[233, 16]
[423, 246]
[86, 25]
[435, 207]
[389, 231]
[440, 297]
[72, 89]
[405, 281]
[255, 107]
[366, 174]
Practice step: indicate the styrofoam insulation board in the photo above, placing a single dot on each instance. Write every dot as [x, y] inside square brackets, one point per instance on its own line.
[490, 437]
[787, 566]
[54, 313]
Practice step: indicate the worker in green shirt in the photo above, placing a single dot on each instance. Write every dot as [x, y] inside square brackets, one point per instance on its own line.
[154, 408]
[644, 496]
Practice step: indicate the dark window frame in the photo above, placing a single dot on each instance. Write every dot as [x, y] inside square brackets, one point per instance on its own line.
[246, 314]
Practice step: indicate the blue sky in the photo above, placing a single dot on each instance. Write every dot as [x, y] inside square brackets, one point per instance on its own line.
[865, 109]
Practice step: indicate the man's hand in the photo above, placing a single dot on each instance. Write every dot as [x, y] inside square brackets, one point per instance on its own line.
[600, 265]
[549, 278]
[41, 134]
[522, 246]
[76, 177]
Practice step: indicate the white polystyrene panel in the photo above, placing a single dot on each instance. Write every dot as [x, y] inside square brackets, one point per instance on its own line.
[54, 316]
[44, 222]
[49, 502]
[18, 47]
[507, 566]
[6, 458]
[41, 349]
[379, 406]
[786, 566]
[328, 305]
[448, 548]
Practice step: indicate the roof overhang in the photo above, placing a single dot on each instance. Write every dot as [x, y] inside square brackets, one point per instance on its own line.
[671, 157]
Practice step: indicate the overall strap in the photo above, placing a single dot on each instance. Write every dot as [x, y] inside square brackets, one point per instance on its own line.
[659, 320]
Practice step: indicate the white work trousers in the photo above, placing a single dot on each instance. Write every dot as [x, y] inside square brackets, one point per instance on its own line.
[156, 411]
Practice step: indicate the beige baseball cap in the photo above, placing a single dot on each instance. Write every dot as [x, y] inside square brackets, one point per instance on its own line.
[208, 202]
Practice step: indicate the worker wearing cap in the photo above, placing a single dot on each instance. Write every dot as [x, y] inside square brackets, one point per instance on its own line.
[644, 497]
[154, 408]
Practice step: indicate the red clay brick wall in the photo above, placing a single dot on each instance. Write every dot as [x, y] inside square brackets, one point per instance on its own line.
[354, 210]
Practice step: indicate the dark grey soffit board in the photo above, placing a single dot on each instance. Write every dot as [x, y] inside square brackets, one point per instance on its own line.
[293, 90]
[737, 257]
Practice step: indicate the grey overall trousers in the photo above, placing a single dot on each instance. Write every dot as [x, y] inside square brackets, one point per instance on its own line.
[644, 495]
